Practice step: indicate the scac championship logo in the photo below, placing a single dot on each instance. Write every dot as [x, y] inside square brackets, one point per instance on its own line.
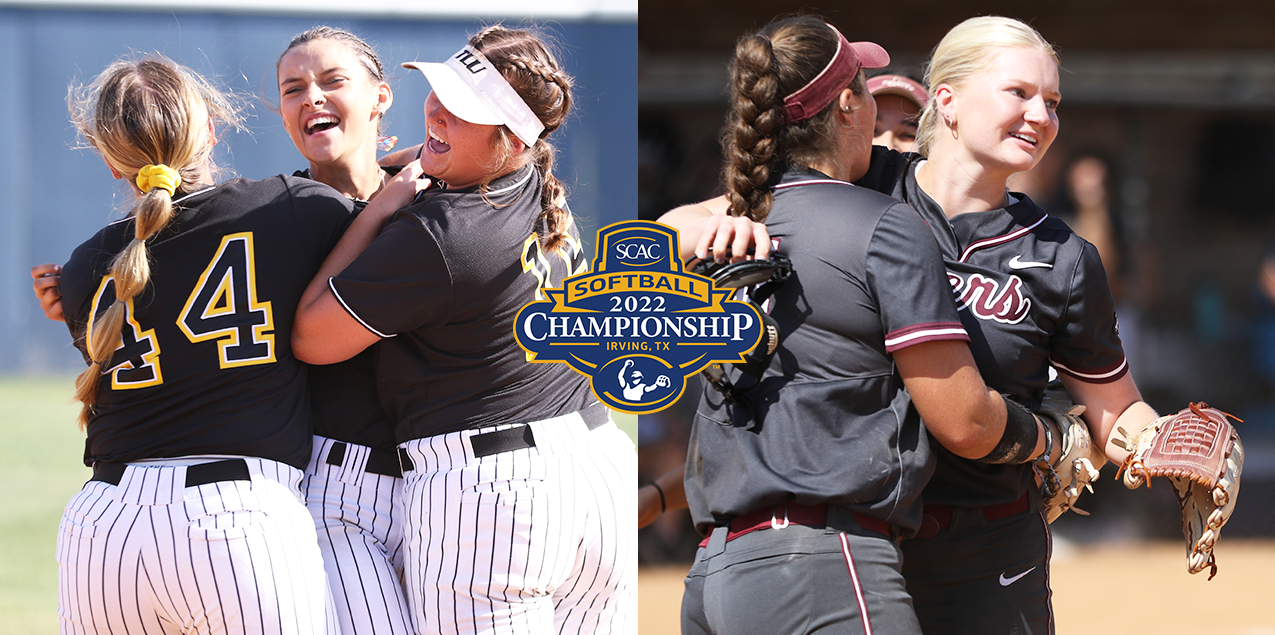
[638, 325]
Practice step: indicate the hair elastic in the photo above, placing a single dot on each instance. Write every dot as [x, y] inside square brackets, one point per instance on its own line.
[663, 505]
[158, 176]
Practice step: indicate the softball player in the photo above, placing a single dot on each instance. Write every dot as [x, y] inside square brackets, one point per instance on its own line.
[519, 507]
[899, 102]
[801, 533]
[332, 96]
[196, 412]
[326, 76]
[1031, 294]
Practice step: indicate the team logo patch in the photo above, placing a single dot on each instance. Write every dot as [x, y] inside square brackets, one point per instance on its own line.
[637, 324]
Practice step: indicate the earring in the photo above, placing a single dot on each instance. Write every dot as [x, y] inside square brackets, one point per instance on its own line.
[845, 109]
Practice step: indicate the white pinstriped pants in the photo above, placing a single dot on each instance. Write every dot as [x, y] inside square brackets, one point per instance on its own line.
[153, 556]
[530, 541]
[361, 536]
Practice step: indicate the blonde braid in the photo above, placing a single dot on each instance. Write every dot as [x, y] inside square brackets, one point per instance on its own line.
[152, 112]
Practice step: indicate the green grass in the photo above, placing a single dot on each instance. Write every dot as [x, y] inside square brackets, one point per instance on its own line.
[42, 467]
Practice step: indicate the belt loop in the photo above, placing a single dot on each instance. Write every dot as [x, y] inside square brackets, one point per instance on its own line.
[404, 461]
[774, 521]
[717, 541]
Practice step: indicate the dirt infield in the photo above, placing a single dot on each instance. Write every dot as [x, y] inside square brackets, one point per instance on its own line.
[1109, 590]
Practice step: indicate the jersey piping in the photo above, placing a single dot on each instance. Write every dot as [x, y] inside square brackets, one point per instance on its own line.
[354, 315]
[1000, 240]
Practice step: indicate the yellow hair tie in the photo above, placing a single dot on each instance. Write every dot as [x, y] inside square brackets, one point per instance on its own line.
[158, 176]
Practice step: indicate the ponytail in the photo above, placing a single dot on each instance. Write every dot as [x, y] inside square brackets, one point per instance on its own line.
[526, 62]
[150, 121]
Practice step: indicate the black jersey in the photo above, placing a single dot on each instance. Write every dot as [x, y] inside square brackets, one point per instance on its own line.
[343, 400]
[206, 365]
[1031, 294]
[444, 282]
[830, 420]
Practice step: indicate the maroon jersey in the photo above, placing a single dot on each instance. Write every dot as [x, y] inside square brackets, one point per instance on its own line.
[1031, 294]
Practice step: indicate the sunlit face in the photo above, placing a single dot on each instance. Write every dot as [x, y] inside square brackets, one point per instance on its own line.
[329, 102]
[896, 122]
[1007, 115]
[456, 151]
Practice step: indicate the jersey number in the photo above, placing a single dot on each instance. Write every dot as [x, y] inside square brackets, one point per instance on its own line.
[135, 362]
[224, 307]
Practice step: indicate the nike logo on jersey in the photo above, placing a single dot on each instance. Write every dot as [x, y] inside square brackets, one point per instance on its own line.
[1008, 581]
[1015, 263]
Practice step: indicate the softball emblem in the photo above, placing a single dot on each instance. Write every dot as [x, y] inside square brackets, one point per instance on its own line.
[638, 324]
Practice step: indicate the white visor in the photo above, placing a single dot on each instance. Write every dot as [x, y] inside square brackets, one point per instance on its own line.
[472, 89]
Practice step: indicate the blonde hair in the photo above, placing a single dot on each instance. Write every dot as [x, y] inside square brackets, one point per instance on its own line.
[966, 50]
[138, 113]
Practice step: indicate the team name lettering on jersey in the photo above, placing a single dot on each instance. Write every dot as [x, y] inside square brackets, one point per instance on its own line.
[985, 298]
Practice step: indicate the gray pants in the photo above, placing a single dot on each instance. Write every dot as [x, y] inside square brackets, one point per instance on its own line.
[797, 580]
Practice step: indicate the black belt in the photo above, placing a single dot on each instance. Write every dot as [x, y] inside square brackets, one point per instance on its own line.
[201, 474]
[515, 438]
[384, 462]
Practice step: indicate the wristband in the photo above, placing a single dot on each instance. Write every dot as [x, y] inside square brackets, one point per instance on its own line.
[1019, 438]
[663, 506]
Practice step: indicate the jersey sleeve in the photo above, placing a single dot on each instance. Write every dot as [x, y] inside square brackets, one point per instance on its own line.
[907, 275]
[1088, 345]
[400, 283]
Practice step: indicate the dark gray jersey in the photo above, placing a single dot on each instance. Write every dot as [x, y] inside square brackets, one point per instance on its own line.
[830, 420]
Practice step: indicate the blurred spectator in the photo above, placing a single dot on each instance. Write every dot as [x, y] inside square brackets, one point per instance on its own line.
[662, 440]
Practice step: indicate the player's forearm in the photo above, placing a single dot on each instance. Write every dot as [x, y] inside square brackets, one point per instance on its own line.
[1108, 406]
[325, 333]
[688, 220]
[668, 492]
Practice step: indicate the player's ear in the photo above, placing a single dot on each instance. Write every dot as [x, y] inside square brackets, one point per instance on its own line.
[849, 103]
[212, 134]
[945, 99]
[384, 98]
[114, 173]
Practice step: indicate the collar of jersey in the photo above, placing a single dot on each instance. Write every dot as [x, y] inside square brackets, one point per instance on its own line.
[974, 231]
[512, 182]
[175, 202]
[797, 176]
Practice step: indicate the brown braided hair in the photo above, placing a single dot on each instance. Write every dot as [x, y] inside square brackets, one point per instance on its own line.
[151, 111]
[758, 141]
[526, 62]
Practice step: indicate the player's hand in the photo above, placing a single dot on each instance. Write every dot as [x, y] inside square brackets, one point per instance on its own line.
[400, 191]
[662, 381]
[734, 235]
[45, 281]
